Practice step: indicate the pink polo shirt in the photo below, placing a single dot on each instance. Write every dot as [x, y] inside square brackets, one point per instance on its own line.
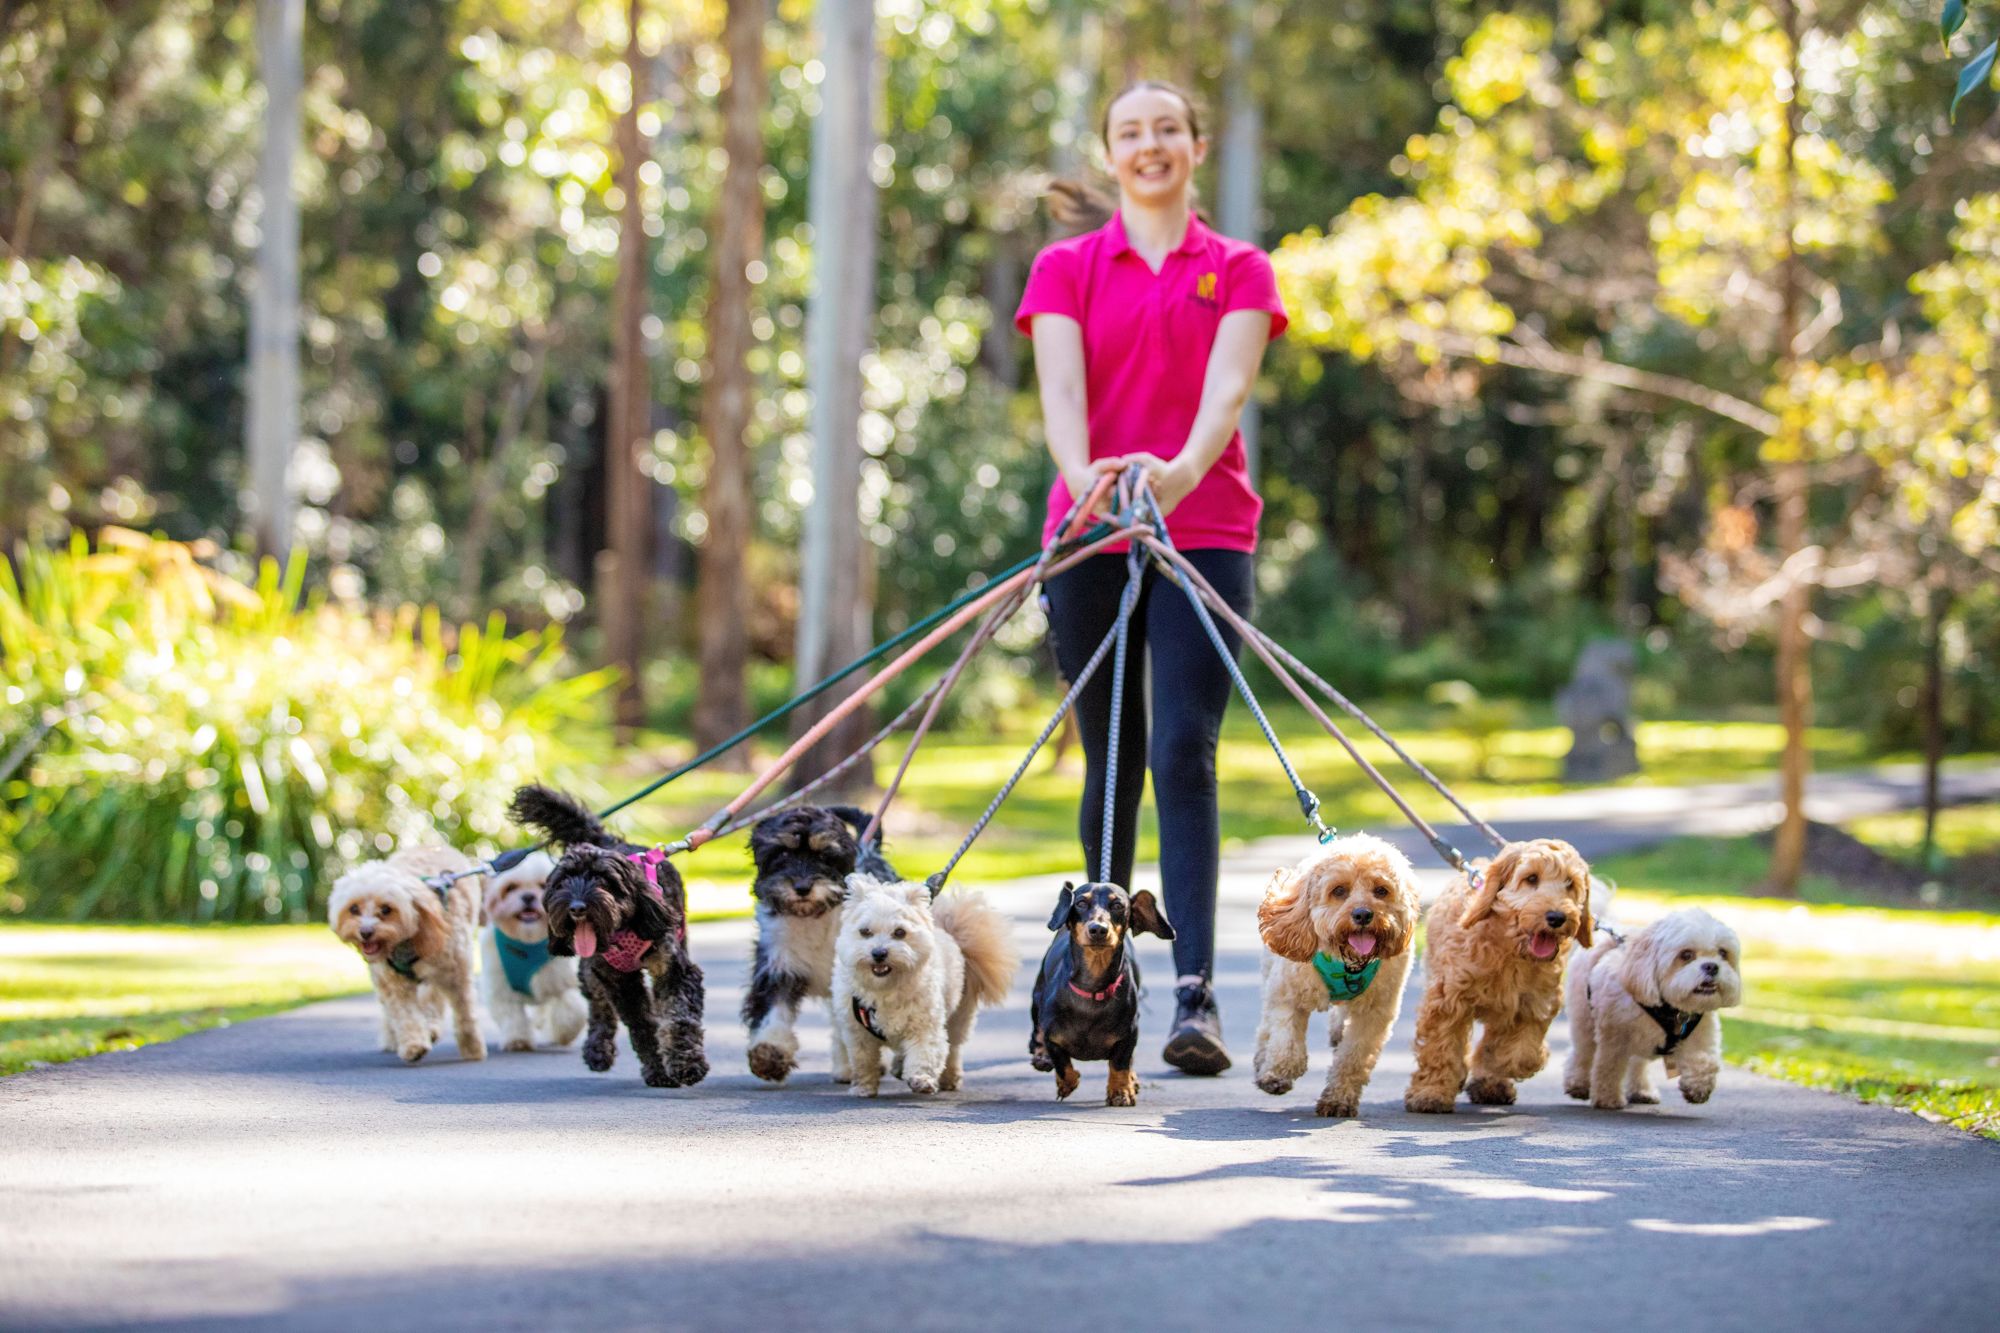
[1146, 340]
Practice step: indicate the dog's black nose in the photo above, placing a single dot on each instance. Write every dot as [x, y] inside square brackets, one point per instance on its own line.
[366, 933]
[578, 910]
[1555, 920]
[880, 953]
[803, 890]
[1097, 930]
[1362, 915]
[1710, 969]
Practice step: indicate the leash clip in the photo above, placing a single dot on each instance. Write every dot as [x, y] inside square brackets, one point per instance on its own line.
[1309, 806]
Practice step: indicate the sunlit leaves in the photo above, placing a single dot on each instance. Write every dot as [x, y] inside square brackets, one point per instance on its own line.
[1976, 72]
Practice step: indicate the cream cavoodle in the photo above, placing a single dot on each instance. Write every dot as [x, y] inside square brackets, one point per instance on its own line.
[1494, 954]
[531, 994]
[419, 946]
[911, 974]
[1338, 930]
[1652, 996]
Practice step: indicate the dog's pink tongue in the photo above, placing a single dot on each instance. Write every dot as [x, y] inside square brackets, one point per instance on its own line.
[1363, 945]
[586, 939]
[1543, 945]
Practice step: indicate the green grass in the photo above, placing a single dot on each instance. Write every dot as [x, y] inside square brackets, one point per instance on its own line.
[1962, 830]
[1895, 1006]
[71, 991]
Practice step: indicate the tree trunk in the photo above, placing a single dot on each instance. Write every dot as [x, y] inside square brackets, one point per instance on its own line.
[624, 570]
[1794, 685]
[272, 411]
[1242, 166]
[1940, 607]
[723, 598]
[835, 617]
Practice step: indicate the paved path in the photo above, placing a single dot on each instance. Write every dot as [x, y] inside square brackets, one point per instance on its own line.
[282, 1174]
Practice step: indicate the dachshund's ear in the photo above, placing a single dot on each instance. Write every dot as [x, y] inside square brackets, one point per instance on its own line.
[1147, 916]
[1063, 901]
[1641, 966]
[1491, 880]
[1284, 918]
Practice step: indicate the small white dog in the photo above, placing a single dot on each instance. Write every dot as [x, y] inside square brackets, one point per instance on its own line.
[530, 994]
[419, 946]
[911, 974]
[1338, 932]
[1649, 997]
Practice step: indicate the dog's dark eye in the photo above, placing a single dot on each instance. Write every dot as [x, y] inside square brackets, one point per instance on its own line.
[354, 909]
[1724, 953]
[899, 932]
[1532, 880]
[388, 910]
[866, 933]
[1687, 955]
[1340, 890]
[1381, 890]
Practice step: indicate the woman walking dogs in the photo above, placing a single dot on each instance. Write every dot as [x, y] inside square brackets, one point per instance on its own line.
[1148, 332]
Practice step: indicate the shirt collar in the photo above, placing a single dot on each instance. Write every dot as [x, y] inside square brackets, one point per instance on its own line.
[1196, 238]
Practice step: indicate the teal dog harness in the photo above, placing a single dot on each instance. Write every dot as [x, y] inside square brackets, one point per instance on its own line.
[520, 962]
[1344, 981]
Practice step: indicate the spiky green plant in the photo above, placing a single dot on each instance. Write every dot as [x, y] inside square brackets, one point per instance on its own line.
[186, 746]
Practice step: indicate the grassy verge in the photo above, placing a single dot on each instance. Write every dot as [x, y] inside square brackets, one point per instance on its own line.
[1900, 1007]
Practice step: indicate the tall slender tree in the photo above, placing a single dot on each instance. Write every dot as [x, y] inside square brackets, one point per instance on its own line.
[723, 597]
[273, 409]
[835, 606]
[1242, 165]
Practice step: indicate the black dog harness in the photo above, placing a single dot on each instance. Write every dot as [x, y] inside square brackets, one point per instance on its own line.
[864, 1014]
[402, 959]
[1676, 1024]
[1104, 994]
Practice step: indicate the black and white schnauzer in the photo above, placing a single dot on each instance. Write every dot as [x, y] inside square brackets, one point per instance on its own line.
[620, 909]
[803, 857]
[1086, 1001]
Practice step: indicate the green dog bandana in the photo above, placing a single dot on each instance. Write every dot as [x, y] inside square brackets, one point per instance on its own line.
[1344, 981]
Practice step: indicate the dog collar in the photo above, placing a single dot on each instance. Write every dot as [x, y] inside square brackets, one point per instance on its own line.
[650, 861]
[402, 960]
[520, 962]
[864, 1014]
[1676, 1024]
[1344, 981]
[1104, 994]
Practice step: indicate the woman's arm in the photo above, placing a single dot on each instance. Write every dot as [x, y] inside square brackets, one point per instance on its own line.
[1232, 371]
[1065, 403]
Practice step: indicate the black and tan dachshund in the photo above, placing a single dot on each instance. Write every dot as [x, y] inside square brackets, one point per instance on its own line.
[1086, 1004]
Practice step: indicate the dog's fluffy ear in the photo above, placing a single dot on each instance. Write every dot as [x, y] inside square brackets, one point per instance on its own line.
[918, 893]
[1641, 966]
[433, 937]
[1146, 915]
[1586, 931]
[1284, 918]
[1063, 901]
[1494, 879]
[831, 836]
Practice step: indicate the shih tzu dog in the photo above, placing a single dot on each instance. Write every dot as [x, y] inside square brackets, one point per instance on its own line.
[419, 945]
[1495, 947]
[1655, 995]
[531, 994]
[621, 911]
[1338, 931]
[803, 859]
[911, 975]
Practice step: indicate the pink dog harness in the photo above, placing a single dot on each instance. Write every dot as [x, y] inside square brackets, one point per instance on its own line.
[627, 950]
[1104, 994]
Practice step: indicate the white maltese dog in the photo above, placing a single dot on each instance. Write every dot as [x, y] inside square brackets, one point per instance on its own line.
[530, 994]
[419, 945]
[911, 974]
[1652, 996]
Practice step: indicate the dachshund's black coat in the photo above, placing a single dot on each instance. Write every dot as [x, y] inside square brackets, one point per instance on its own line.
[1086, 1001]
[597, 882]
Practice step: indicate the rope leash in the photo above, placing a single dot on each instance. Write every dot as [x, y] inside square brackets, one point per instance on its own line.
[1121, 629]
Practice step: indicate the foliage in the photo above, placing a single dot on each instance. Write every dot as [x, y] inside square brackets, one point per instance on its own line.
[228, 749]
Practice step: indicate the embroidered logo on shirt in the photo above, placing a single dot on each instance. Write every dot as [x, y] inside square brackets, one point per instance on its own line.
[1204, 288]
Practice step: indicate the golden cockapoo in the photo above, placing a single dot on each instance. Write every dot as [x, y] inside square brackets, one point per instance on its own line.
[419, 946]
[1494, 955]
[1650, 997]
[1338, 930]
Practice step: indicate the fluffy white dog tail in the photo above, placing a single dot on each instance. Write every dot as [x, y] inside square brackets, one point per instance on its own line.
[985, 939]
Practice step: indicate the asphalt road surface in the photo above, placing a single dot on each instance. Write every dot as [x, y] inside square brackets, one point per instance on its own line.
[283, 1174]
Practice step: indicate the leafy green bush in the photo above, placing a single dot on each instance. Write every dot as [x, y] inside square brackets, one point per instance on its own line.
[185, 746]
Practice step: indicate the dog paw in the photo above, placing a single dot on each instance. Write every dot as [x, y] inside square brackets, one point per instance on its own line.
[1491, 1091]
[1337, 1108]
[922, 1086]
[1580, 1091]
[949, 1080]
[413, 1051]
[1040, 1063]
[1614, 1102]
[1429, 1103]
[475, 1050]
[861, 1090]
[687, 1070]
[771, 1063]
[896, 1067]
[1695, 1093]
[1066, 1081]
[1645, 1097]
[599, 1057]
[1274, 1085]
[842, 1076]
[515, 1044]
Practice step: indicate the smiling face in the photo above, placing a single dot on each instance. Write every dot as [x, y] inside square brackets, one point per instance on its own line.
[514, 899]
[803, 856]
[1539, 893]
[376, 907]
[1687, 959]
[1356, 900]
[1151, 136]
[886, 931]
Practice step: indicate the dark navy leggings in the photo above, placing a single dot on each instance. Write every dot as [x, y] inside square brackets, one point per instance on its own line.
[1191, 688]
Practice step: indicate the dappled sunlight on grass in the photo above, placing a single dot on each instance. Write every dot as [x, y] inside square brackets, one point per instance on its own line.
[1962, 830]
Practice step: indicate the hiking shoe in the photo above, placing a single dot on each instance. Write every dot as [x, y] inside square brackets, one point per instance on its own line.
[1195, 1045]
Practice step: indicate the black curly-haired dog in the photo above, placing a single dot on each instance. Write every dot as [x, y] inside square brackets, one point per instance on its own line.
[1086, 1001]
[621, 910]
[803, 857]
